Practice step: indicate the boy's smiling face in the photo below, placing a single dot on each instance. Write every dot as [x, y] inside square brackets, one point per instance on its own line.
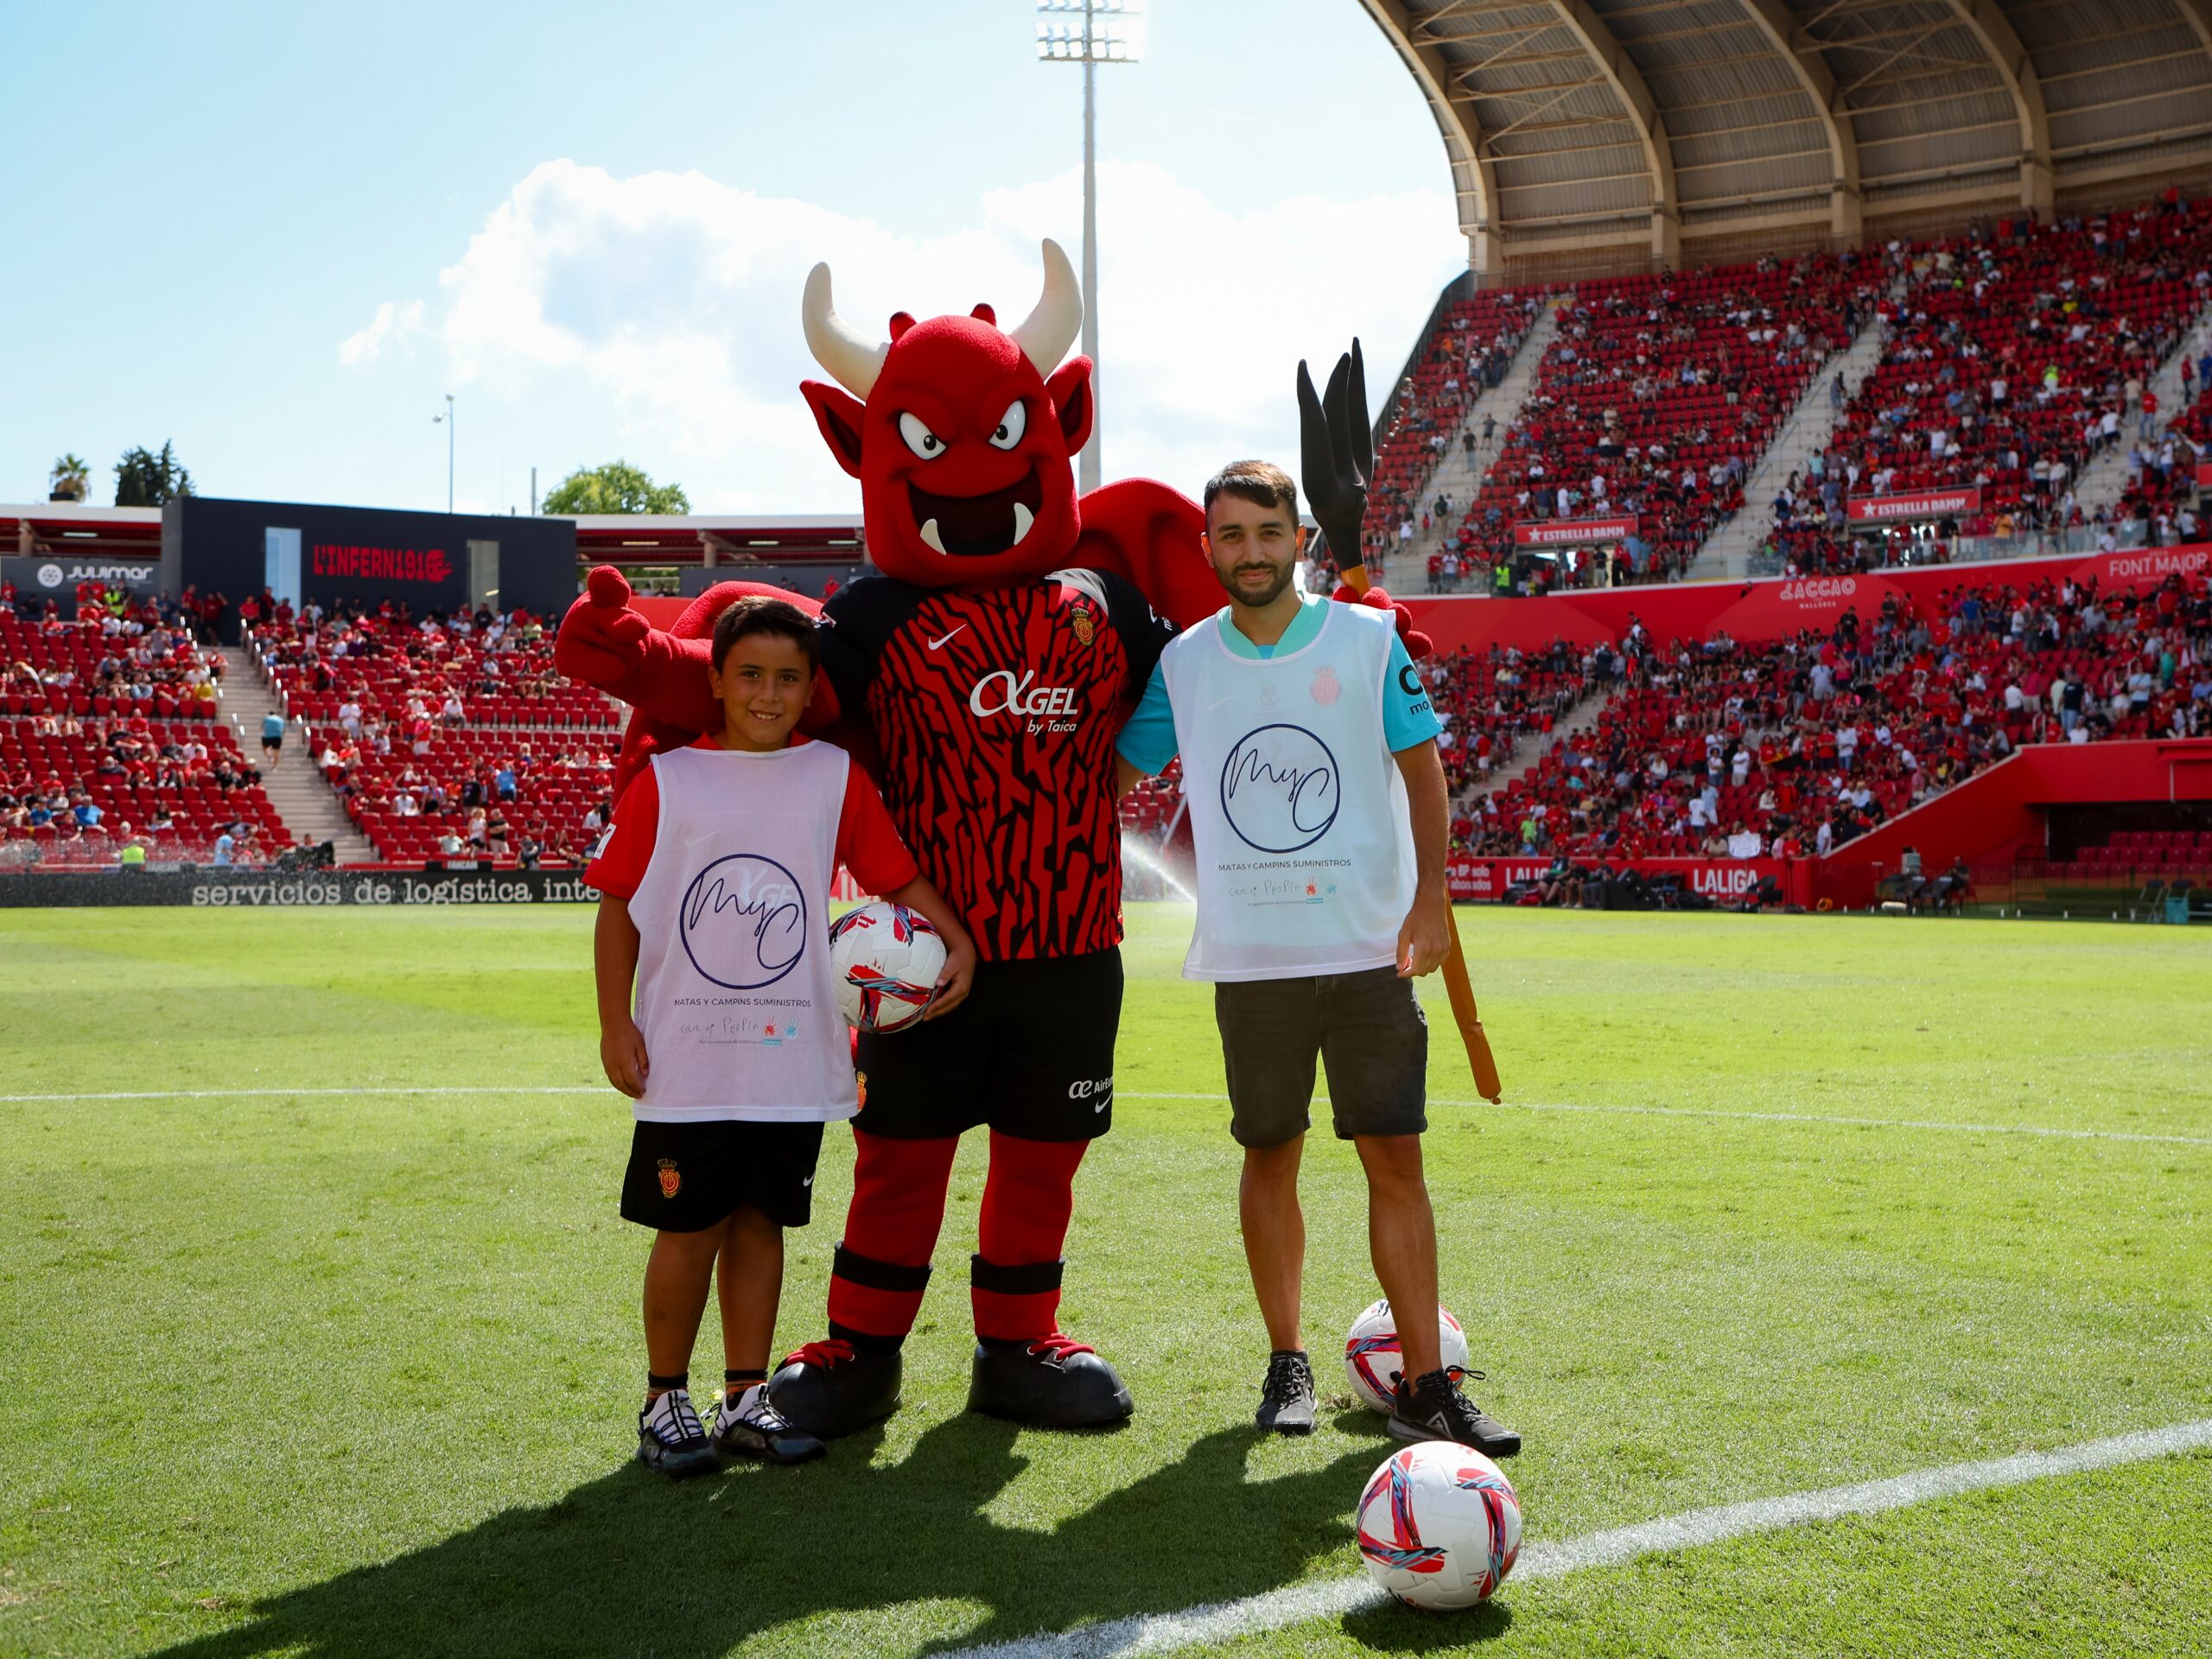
[764, 684]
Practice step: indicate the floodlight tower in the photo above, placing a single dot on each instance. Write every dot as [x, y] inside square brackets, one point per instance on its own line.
[1089, 32]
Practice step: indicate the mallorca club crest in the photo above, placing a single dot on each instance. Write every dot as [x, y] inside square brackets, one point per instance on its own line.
[1083, 626]
[671, 1179]
[1326, 687]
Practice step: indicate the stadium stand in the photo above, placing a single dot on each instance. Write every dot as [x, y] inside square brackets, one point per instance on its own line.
[111, 733]
[1798, 746]
[446, 738]
[1465, 355]
[2013, 358]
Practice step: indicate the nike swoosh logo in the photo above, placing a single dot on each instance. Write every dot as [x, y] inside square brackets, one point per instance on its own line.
[934, 644]
[1102, 1104]
[809, 1181]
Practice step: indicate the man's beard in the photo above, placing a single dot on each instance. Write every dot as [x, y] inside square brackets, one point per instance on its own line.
[1267, 596]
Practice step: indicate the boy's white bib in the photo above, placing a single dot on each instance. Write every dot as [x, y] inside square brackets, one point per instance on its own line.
[734, 992]
[1297, 814]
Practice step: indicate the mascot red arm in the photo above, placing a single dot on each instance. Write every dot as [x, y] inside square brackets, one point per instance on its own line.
[990, 667]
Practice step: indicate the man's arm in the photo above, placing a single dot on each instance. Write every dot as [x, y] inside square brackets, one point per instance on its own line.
[1425, 936]
[1147, 741]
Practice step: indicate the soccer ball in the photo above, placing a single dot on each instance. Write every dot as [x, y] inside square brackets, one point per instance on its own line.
[1371, 1357]
[1439, 1526]
[886, 960]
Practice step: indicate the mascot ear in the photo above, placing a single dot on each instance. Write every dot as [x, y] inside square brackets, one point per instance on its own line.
[837, 412]
[1070, 390]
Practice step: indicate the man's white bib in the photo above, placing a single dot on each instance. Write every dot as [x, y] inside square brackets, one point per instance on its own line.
[734, 992]
[1297, 814]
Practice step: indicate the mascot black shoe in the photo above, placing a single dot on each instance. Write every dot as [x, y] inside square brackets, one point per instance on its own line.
[831, 1388]
[1056, 1383]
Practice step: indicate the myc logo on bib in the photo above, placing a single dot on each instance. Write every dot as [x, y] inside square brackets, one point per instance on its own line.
[1279, 788]
[743, 920]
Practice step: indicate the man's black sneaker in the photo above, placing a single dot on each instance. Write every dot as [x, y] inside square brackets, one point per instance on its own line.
[1432, 1408]
[831, 1388]
[1053, 1382]
[670, 1438]
[751, 1427]
[1287, 1396]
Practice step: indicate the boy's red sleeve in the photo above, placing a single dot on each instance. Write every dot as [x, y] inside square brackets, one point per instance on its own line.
[618, 863]
[867, 842]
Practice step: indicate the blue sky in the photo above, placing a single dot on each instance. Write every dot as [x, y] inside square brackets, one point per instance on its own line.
[279, 235]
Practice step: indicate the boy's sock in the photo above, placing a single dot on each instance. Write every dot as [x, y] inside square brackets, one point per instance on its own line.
[656, 1386]
[737, 1384]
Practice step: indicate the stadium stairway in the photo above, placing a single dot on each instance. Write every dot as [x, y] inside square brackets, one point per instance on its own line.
[306, 803]
[1727, 551]
[1579, 719]
[1459, 474]
[2104, 481]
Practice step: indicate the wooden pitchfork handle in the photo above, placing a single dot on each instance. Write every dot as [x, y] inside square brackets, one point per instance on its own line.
[1456, 983]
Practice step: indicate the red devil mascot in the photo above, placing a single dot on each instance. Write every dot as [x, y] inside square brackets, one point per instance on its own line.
[984, 674]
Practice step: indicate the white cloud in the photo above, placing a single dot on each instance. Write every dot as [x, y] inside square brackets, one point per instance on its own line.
[392, 323]
[661, 311]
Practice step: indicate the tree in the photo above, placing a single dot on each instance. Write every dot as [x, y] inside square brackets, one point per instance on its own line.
[616, 488]
[145, 480]
[72, 479]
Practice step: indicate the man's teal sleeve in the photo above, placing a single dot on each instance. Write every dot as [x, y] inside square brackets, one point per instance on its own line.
[1408, 717]
[1147, 741]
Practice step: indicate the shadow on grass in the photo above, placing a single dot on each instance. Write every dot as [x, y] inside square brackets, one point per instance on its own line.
[1392, 1628]
[630, 1563]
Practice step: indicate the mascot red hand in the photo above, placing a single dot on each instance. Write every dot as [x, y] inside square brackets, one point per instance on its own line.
[662, 674]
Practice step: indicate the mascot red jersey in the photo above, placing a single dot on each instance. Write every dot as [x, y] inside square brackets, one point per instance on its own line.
[984, 676]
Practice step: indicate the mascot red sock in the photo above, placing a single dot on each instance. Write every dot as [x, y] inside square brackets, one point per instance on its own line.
[882, 1264]
[1014, 1276]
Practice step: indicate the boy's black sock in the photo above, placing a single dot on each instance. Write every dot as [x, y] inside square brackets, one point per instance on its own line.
[735, 1383]
[656, 1386]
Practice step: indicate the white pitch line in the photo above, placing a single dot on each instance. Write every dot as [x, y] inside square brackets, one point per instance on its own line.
[2042, 1131]
[1151, 1633]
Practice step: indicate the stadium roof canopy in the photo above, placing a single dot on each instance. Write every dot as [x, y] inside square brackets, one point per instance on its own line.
[1588, 135]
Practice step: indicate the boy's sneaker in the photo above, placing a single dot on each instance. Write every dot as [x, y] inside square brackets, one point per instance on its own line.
[670, 1438]
[1432, 1408]
[751, 1427]
[1287, 1396]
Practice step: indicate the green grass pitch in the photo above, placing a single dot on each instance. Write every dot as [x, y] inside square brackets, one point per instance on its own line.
[354, 1374]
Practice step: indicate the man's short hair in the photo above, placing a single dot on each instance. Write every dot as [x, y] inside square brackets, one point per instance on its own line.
[1262, 482]
[765, 614]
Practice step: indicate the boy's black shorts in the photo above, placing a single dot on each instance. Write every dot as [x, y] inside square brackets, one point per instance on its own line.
[1030, 1053]
[684, 1177]
[1366, 1027]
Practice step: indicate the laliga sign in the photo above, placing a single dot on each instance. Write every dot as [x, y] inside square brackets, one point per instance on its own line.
[743, 921]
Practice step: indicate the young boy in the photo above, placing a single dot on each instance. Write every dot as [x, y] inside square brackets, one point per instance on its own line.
[715, 882]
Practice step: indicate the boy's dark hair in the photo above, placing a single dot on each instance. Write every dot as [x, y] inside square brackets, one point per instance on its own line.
[1259, 481]
[764, 614]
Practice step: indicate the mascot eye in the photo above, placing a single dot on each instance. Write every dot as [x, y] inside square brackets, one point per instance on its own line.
[1011, 426]
[919, 439]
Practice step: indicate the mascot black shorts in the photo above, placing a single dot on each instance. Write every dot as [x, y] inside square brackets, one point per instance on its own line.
[1030, 1053]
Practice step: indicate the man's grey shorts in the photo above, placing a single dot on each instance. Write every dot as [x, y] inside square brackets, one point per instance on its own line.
[1366, 1027]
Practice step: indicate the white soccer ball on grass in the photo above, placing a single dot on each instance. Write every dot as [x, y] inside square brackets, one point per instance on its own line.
[1439, 1526]
[1372, 1360]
